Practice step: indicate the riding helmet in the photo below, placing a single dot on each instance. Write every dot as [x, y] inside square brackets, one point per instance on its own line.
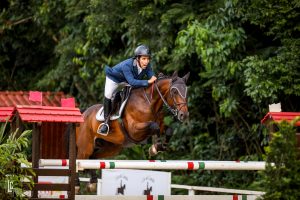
[142, 50]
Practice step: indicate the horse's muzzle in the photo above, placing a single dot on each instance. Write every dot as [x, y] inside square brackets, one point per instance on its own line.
[182, 116]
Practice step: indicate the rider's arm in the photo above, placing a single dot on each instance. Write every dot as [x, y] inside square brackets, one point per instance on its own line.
[130, 78]
[150, 74]
[152, 79]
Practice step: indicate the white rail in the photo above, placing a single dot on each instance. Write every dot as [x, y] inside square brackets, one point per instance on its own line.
[173, 165]
[172, 197]
[192, 189]
[159, 164]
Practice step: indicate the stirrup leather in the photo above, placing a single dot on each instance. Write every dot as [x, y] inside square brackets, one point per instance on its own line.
[99, 127]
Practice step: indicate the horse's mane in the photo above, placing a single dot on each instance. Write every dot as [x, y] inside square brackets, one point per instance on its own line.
[162, 76]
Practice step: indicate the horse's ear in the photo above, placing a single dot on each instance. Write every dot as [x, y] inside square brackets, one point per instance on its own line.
[175, 75]
[186, 77]
[160, 75]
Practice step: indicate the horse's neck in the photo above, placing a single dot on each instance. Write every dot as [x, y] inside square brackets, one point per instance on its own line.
[152, 95]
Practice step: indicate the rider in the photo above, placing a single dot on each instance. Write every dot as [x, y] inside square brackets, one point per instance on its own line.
[130, 71]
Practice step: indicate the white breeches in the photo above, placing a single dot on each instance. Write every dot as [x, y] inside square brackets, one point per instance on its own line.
[110, 87]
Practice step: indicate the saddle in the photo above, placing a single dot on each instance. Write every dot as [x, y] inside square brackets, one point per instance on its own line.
[119, 101]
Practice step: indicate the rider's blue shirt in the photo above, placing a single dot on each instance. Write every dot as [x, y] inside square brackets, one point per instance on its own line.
[127, 71]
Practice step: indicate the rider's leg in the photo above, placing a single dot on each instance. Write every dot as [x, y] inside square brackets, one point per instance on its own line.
[107, 110]
[110, 87]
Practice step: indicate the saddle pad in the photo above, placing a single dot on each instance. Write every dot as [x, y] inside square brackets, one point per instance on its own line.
[100, 113]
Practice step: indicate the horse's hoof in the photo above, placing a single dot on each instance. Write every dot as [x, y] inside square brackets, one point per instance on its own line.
[161, 147]
[152, 150]
[77, 190]
[91, 187]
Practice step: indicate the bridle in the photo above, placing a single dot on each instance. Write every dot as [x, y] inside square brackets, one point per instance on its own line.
[174, 111]
[180, 88]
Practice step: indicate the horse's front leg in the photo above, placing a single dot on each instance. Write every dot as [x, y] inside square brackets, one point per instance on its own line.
[169, 134]
[160, 144]
[152, 128]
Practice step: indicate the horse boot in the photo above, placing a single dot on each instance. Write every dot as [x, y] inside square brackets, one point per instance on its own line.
[107, 109]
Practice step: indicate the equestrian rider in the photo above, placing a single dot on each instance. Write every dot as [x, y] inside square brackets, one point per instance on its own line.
[130, 71]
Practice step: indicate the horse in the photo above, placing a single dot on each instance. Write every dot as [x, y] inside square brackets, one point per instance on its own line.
[142, 118]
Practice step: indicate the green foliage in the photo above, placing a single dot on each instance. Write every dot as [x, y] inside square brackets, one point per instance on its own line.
[12, 155]
[282, 180]
[24, 46]
[266, 78]
[214, 40]
[276, 64]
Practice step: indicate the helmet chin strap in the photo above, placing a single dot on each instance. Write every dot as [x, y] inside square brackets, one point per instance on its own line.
[138, 61]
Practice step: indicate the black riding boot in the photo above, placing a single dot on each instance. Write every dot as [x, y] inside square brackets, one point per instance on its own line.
[107, 110]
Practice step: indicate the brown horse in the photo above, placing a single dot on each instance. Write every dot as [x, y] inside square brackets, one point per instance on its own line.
[141, 118]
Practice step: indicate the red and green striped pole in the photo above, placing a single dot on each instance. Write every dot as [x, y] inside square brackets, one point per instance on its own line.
[172, 165]
[158, 164]
[223, 197]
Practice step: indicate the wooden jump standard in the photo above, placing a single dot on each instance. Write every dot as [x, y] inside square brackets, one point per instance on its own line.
[38, 115]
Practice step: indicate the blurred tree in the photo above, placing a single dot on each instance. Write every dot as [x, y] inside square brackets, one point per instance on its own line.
[281, 179]
[25, 48]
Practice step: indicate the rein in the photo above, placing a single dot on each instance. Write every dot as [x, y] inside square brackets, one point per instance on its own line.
[173, 111]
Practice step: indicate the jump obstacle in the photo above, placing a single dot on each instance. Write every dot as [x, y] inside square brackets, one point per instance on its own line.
[172, 197]
[158, 164]
[167, 165]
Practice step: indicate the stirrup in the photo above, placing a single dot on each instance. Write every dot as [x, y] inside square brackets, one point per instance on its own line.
[99, 127]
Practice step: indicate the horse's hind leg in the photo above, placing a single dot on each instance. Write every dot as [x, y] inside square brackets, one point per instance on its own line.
[92, 185]
[84, 150]
[77, 184]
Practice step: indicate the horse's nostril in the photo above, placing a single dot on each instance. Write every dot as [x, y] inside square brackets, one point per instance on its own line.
[181, 116]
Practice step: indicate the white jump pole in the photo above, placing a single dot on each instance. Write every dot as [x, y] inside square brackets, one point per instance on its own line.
[54, 162]
[171, 165]
[65, 162]
[158, 164]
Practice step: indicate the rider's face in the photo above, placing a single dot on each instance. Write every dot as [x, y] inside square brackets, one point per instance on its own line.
[144, 61]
